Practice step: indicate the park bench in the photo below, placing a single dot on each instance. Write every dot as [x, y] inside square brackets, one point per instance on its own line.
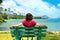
[19, 32]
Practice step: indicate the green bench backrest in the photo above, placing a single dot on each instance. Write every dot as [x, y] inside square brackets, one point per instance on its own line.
[28, 32]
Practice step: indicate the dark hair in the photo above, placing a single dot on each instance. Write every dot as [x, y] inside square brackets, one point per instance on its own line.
[29, 17]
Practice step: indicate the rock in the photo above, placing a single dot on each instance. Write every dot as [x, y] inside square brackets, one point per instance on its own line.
[4, 20]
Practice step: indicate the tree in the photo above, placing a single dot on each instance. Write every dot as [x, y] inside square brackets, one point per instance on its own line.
[4, 15]
[1, 9]
[0, 1]
[5, 9]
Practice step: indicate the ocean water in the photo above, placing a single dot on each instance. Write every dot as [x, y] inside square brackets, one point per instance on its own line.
[52, 24]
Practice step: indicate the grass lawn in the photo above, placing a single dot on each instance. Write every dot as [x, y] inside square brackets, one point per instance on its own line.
[6, 35]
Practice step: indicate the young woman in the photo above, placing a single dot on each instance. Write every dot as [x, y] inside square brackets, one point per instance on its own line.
[29, 22]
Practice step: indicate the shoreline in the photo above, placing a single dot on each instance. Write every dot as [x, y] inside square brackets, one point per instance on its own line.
[3, 20]
[47, 32]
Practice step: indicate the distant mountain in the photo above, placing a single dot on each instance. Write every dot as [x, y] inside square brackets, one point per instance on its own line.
[44, 17]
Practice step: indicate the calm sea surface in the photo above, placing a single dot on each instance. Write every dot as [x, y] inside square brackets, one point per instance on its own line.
[53, 24]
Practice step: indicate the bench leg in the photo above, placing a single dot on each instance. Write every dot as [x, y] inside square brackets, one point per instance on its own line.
[18, 38]
[32, 38]
[38, 38]
[27, 38]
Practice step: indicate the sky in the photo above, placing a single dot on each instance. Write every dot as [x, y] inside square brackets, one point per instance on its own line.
[51, 8]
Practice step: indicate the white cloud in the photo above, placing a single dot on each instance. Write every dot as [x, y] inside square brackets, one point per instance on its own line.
[59, 4]
[36, 7]
[7, 4]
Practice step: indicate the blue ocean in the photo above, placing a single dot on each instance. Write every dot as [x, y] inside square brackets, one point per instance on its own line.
[52, 24]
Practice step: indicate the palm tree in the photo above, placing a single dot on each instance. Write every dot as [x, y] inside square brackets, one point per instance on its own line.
[8, 12]
[0, 1]
[0, 4]
[1, 9]
[5, 9]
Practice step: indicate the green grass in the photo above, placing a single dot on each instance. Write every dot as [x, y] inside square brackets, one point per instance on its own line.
[55, 36]
[7, 36]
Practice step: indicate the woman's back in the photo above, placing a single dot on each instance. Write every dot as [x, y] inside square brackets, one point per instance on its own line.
[31, 23]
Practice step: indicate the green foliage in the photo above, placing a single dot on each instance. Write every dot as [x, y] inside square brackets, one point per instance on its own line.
[19, 17]
[37, 17]
[4, 15]
[0, 1]
[5, 9]
[1, 18]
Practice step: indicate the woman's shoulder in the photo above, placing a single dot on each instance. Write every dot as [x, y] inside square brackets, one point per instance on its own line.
[24, 21]
[33, 21]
